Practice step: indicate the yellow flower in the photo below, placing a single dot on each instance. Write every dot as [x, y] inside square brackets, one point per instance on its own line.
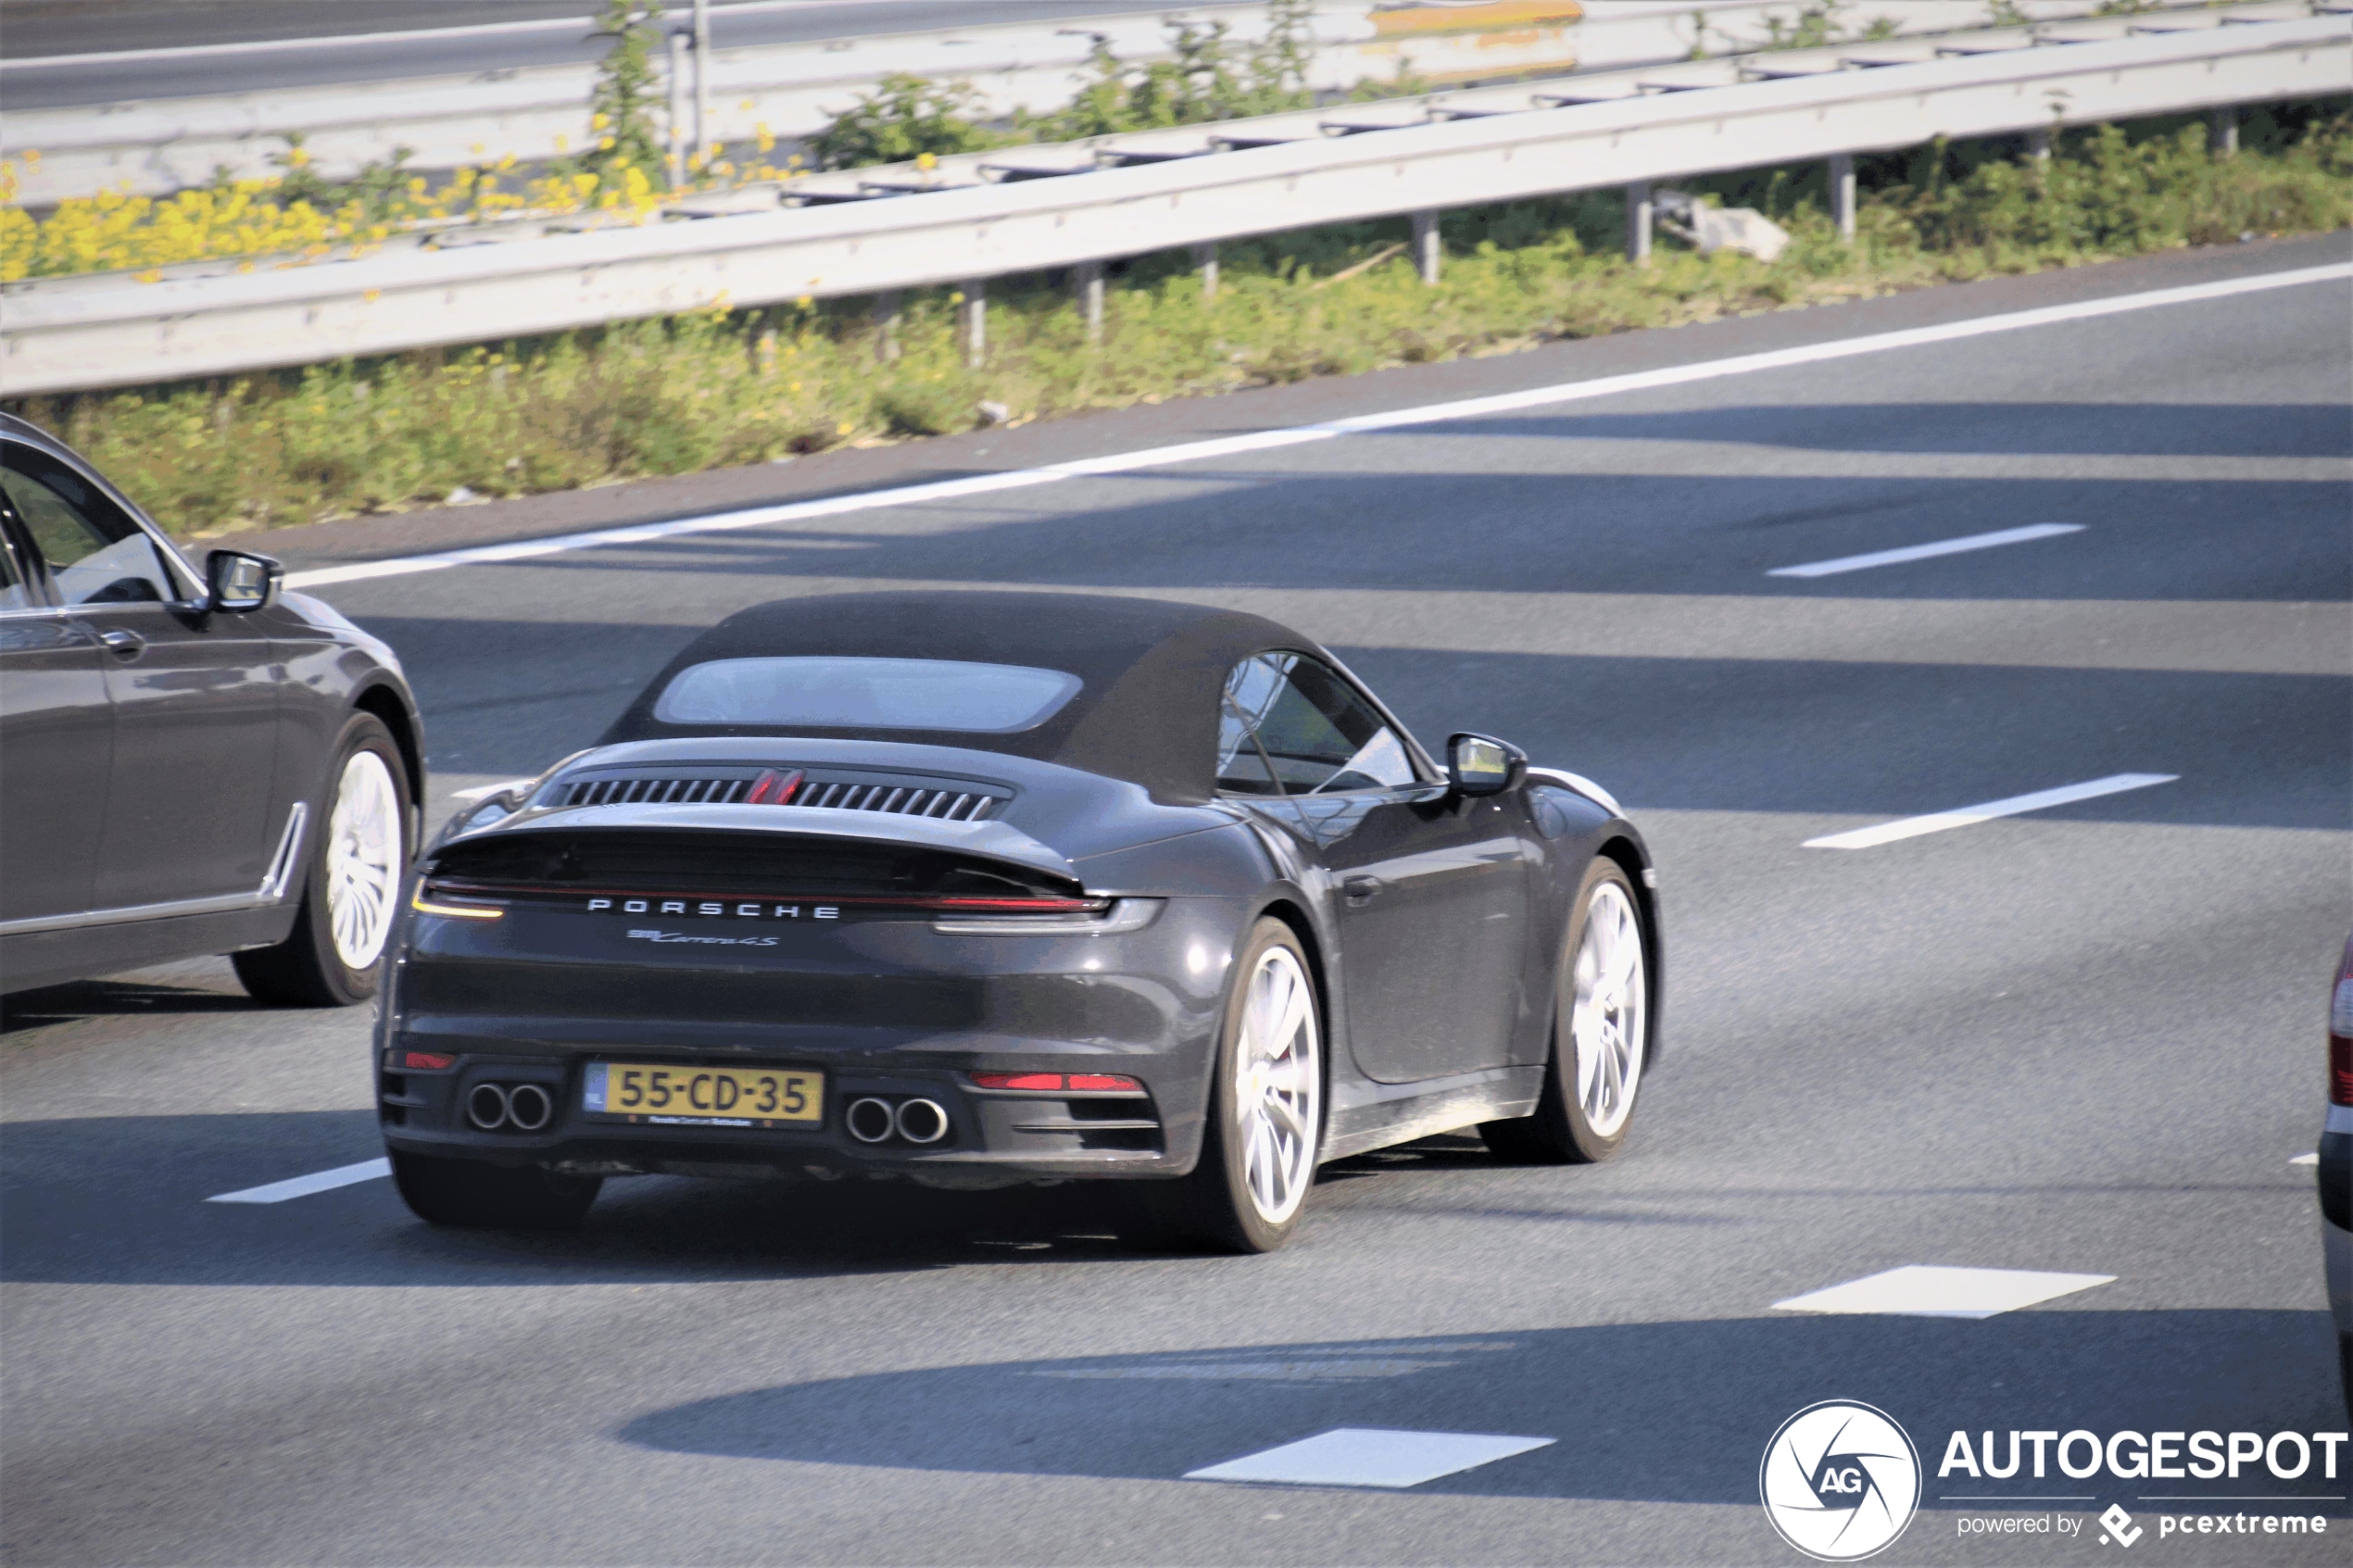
[844, 428]
[372, 295]
[598, 121]
[151, 276]
[926, 162]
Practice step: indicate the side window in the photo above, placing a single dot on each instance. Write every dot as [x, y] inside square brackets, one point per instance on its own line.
[1251, 690]
[1314, 732]
[96, 553]
[14, 592]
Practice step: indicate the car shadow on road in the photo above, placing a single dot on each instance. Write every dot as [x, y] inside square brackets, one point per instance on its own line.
[113, 999]
[124, 1200]
[1655, 1411]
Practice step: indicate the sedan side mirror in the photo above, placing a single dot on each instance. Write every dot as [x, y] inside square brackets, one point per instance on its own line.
[239, 583]
[1483, 765]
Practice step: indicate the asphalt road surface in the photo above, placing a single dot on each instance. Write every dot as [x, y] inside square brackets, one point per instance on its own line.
[2084, 1040]
[58, 53]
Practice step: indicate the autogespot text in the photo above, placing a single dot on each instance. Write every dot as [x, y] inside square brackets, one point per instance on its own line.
[2157, 1456]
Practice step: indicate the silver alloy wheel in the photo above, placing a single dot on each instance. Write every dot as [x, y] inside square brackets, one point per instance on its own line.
[363, 860]
[1606, 1022]
[1278, 1086]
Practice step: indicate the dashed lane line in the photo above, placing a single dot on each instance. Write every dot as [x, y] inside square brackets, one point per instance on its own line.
[1969, 816]
[1929, 1290]
[302, 1186]
[1364, 1456]
[1926, 552]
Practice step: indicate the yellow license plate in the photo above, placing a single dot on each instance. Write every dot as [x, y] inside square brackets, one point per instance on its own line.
[672, 1096]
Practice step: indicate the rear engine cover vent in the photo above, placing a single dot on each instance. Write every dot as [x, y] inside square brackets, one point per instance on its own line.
[846, 789]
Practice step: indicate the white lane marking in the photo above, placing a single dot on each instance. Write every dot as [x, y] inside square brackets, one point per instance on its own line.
[1924, 552]
[1364, 1456]
[1924, 1290]
[1967, 816]
[302, 1186]
[2311, 1159]
[1432, 413]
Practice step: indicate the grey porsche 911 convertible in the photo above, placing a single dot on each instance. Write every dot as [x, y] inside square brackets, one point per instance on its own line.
[980, 888]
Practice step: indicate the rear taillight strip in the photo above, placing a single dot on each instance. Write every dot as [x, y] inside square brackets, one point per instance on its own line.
[439, 887]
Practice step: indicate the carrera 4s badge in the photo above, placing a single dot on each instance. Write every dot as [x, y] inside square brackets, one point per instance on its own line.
[654, 935]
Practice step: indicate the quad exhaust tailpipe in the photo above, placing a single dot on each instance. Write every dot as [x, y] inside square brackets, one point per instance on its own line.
[920, 1121]
[486, 1107]
[869, 1120]
[529, 1108]
[526, 1108]
[875, 1120]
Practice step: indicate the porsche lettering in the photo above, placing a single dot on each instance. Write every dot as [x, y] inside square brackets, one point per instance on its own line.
[748, 910]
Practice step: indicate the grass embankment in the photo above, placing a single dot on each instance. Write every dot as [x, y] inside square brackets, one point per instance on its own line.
[712, 390]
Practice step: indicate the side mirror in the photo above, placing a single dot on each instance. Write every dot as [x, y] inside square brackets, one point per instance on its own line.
[1482, 765]
[239, 583]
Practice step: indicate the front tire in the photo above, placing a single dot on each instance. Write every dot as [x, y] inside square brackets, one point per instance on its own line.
[1265, 1117]
[476, 1195]
[358, 853]
[1601, 1033]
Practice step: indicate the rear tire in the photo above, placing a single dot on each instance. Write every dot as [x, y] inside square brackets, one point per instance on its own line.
[1265, 1113]
[476, 1195]
[358, 850]
[1601, 1033]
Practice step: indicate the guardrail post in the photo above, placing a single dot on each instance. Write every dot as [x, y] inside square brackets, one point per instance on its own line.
[1087, 281]
[887, 325]
[1842, 195]
[1205, 263]
[2222, 131]
[1426, 250]
[702, 79]
[1637, 222]
[677, 109]
[972, 322]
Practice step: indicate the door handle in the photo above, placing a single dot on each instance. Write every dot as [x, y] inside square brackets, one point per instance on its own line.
[125, 645]
[1360, 889]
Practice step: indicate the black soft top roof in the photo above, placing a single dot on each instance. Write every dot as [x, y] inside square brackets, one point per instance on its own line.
[1152, 672]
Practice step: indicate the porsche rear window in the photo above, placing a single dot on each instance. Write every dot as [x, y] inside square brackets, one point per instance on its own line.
[866, 694]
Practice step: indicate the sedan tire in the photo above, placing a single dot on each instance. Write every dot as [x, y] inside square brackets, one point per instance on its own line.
[1601, 1033]
[357, 855]
[476, 1195]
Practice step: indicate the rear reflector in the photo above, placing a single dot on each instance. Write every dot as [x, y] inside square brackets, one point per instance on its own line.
[772, 788]
[427, 1062]
[1059, 1083]
[2340, 1070]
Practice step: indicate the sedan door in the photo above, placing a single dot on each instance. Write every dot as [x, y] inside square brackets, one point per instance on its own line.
[194, 704]
[57, 741]
[1433, 890]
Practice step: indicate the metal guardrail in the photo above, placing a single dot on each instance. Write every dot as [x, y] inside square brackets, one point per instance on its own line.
[794, 89]
[108, 332]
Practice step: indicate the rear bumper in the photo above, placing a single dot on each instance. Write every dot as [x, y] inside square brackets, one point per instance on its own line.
[994, 1138]
[894, 1011]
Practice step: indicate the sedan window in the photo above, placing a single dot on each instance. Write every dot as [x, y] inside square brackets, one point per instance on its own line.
[15, 594]
[96, 553]
[1309, 730]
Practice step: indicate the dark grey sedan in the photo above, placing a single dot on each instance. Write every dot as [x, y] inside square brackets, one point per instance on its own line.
[190, 763]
